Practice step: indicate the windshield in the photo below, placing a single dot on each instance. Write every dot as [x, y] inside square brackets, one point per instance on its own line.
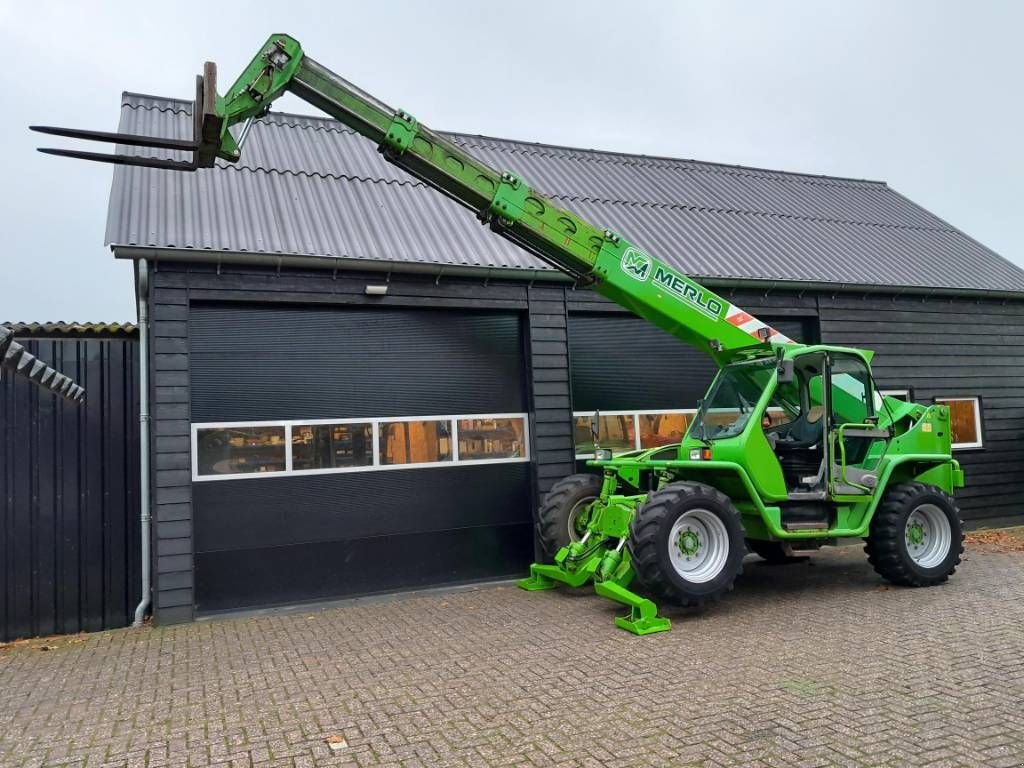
[730, 403]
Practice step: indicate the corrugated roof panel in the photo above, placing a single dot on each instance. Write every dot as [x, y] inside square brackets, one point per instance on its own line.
[614, 177]
[310, 186]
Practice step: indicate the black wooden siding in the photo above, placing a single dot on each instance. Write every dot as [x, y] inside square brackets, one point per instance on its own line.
[548, 367]
[973, 348]
[950, 347]
[69, 491]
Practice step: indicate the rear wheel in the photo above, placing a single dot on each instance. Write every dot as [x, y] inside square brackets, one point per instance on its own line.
[565, 511]
[687, 543]
[916, 536]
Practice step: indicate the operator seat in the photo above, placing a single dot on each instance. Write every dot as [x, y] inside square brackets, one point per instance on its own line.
[804, 432]
[800, 451]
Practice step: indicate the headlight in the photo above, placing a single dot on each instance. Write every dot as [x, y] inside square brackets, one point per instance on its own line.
[695, 454]
[603, 454]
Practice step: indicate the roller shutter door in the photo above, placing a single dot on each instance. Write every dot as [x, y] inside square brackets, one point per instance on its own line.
[284, 536]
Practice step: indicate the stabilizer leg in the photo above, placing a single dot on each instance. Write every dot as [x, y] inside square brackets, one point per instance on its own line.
[643, 616]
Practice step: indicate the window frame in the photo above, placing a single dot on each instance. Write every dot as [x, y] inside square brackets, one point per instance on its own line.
[375, 422]
[454, 452]
[289, 426]
[905, 392]
[494, 417]
[978, 421]
[636, 414]
[194, 439]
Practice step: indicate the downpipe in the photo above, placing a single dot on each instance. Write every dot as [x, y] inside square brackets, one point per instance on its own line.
[145, 518]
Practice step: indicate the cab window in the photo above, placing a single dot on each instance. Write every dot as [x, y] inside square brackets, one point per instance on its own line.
[851, 390]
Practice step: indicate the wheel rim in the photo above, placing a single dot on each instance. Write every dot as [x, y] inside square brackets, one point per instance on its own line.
[698, 545]
[928, 535]
[579, 516]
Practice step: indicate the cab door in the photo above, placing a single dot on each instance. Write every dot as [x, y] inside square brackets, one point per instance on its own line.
[856, 444]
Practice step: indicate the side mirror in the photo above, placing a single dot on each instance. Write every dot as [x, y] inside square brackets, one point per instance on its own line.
[787, 373]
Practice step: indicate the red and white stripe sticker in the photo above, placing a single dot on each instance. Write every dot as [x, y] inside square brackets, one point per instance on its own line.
[748, 323]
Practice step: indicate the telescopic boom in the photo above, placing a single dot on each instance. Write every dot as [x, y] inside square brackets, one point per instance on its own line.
[595, 256]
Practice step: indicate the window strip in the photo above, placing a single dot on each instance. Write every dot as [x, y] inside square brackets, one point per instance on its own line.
[375, 423]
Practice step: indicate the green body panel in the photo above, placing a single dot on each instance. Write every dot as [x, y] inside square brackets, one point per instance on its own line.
[908, 441]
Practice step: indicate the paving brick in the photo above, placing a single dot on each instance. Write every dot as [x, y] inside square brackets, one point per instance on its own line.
[810, 664]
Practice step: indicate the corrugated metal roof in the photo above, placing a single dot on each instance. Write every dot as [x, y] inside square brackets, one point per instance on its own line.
[309, 186]
[62, 328]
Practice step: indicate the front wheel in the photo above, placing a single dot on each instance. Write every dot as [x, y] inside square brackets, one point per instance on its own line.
[565, 511]
[687, 543]
[916, 536]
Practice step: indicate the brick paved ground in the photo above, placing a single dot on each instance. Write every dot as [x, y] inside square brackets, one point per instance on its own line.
[816, 663]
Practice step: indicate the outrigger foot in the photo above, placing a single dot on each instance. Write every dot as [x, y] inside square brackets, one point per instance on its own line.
[643, 616]
[535, 582]
[545, 576]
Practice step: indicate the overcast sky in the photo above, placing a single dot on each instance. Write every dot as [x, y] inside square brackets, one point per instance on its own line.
[923, 95]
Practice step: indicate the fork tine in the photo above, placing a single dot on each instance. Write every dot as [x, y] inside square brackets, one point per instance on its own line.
[143, 162]
[127, 139]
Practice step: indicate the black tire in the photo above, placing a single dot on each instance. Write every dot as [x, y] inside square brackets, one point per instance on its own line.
[559, 505]
[888, 548]
[772, 551]
[649, 543]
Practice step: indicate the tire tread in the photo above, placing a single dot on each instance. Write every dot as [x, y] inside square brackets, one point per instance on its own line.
[552, 513]
[643, 542]
[885, 542]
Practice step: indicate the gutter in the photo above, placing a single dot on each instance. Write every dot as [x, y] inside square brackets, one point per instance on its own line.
[542, 273]
[145, 517]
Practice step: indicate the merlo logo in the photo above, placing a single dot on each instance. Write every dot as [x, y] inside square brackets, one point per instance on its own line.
[636, 264]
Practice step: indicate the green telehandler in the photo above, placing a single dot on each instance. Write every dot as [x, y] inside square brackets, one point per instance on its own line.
[793, 445]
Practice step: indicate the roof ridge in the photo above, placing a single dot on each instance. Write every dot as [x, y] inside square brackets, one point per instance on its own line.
[528, 147]
[749, 212]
